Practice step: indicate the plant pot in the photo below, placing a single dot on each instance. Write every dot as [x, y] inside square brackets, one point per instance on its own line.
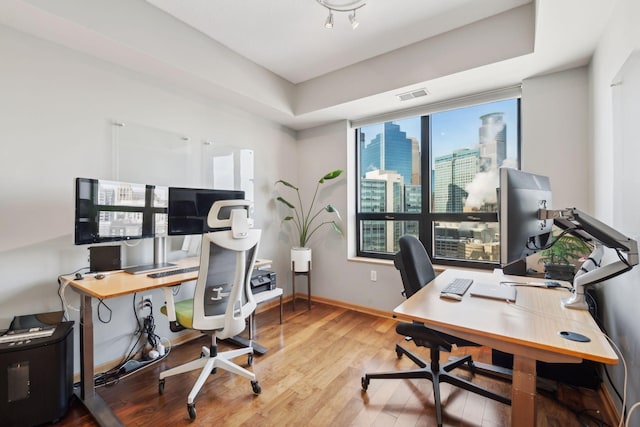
[559, 272]
[300, 259]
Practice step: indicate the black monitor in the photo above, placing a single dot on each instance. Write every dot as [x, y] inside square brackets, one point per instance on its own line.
[189, 208]
[109, 211]
[522, 195]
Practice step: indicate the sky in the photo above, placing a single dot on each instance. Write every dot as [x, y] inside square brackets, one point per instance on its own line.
[458, 128]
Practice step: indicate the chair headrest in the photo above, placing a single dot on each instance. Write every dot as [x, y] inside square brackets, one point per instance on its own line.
[233, 214]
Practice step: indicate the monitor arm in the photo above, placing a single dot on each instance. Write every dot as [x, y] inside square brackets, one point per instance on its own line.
[591, 272]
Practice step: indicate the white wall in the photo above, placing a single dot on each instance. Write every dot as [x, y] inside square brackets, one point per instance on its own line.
[56, 110]
[614, 184]
[555, 138]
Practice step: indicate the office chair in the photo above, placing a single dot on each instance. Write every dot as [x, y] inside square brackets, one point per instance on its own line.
[417, 271]
[222, 298]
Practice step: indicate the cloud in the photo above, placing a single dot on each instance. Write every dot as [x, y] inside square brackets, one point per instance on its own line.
[482, 189]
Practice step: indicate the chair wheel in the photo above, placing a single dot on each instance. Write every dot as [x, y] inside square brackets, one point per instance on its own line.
[191, 409]
[365, 383]
[250, 359]
[256, 387]
[161, 387]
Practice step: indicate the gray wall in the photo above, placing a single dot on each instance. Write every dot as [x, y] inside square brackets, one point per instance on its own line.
[615, 108]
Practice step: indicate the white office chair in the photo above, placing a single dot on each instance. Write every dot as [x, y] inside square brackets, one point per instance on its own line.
[222, 297]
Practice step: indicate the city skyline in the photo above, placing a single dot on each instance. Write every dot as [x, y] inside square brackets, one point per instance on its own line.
[455, 129]
[468, 145]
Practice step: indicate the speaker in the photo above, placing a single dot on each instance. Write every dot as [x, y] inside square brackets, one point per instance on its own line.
[104, 258]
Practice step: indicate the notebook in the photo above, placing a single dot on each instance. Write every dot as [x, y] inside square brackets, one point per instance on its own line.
[501, 292]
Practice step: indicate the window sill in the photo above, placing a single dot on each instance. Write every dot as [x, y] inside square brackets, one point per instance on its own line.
[437, 267]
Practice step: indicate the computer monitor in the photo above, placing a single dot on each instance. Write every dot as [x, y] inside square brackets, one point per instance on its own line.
[522, 195]
[189, 208]
[108, 211]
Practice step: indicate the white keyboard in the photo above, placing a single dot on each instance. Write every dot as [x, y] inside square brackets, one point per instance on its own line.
[30, 334]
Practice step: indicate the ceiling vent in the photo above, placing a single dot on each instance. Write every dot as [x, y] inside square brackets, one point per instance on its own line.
[413, 94]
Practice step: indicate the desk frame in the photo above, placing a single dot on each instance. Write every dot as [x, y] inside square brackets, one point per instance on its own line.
[529, 330]
[115, 285]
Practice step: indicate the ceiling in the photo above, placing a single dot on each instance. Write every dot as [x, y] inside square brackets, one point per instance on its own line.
[276, 59]
[288, 37]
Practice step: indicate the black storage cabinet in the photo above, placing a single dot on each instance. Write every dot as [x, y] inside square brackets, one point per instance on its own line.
[36, 379]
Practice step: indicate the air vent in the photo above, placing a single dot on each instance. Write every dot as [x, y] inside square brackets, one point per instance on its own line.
[413, 94]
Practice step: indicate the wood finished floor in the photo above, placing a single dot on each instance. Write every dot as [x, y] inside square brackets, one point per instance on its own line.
[311, 377]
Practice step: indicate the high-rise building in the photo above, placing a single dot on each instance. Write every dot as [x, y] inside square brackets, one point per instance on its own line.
[416, 171]
[492, 139]
[451, 174]
[390, 150]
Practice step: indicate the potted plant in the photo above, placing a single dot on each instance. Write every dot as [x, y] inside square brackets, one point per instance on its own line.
[307, 221]
[560, 260]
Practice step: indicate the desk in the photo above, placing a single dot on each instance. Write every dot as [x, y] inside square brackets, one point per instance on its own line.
[114, 285]
[528, 329]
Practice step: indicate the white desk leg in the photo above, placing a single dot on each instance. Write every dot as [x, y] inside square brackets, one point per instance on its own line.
[523, 398]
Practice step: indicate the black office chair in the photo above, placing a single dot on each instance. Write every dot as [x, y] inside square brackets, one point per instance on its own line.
[416, 271]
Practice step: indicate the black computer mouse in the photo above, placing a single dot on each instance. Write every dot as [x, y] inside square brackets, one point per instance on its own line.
[79, 276]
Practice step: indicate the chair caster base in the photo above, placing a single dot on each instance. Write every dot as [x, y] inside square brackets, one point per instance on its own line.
[191, 409]
[364, 381]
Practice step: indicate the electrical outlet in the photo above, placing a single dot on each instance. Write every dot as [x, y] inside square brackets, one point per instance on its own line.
[146, 298]
[374, 275]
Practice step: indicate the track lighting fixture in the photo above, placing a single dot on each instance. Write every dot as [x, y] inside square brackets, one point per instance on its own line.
[329, 22]
[352, 19]
[342, 6]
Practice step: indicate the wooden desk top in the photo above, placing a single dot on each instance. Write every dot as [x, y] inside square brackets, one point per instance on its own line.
[531, 326]
[121, 283]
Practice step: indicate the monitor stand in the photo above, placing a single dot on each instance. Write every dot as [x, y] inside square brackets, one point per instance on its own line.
[159, 259]
[148, 268]
[518, 268]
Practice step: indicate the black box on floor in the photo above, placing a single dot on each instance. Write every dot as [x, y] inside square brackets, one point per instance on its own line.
[36, 378]
[262, 280]
[585, 374]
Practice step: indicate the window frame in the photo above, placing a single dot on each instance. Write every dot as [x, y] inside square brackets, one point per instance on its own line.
[426, 218]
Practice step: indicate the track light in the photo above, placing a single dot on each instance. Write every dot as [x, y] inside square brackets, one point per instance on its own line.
[329, 22]
[342, 6]
[352, 19]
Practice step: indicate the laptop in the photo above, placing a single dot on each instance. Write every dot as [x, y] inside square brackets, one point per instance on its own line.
[499, 292]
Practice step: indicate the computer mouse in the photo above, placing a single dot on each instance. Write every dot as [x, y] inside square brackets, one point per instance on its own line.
[454, 297]
[99, 276]
[78, 276]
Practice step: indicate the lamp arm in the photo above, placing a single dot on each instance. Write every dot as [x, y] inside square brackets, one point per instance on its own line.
[587, 227]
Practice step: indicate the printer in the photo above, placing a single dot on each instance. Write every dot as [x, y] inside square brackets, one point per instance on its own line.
[262, 280]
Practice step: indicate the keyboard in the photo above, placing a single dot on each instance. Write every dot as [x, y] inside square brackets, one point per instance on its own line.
[166, 273]
[457, 286]
[23, 335]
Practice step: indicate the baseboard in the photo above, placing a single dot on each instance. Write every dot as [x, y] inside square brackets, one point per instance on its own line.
[359, 308]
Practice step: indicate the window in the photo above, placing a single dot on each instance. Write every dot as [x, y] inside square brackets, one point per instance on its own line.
[435, 177]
